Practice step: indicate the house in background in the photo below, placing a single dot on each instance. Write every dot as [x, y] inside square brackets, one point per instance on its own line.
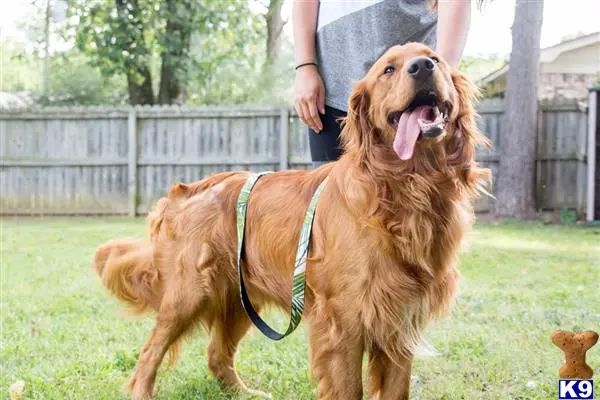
[567, 70]
[15, 101]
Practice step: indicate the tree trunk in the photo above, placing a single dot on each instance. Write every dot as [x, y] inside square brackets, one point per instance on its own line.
[275, 26]
[139, 78]
[46, 78]
[174, 58]
[140, 93]
[515, 189]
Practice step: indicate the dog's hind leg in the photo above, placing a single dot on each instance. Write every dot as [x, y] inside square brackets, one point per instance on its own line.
[176, 316]
[227, 331]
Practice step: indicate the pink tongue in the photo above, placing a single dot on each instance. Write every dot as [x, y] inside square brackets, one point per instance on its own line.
[409, 130]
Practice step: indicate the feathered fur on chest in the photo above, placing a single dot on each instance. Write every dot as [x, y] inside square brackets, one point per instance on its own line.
[415, 234]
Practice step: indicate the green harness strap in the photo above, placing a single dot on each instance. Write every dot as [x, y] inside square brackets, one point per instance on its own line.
[298, 280]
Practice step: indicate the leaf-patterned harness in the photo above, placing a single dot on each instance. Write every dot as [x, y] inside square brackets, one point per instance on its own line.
[298, 280]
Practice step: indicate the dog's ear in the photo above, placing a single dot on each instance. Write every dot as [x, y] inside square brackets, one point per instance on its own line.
[465, 135]
[357, 129]
[461, 146]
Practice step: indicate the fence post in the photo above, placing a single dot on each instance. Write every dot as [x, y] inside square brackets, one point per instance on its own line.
[537, 174]
[591, 154]
[132, 161]
[284, 138]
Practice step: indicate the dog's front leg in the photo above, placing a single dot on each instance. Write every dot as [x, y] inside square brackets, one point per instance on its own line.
[336, 359]
[388, 379]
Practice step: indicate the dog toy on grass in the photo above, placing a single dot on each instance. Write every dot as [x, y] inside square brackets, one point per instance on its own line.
[575, 345]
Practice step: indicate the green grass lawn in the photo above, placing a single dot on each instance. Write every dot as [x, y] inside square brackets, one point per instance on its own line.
[67, 339]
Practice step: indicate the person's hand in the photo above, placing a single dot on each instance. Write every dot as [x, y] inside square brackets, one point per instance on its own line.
[309, 96]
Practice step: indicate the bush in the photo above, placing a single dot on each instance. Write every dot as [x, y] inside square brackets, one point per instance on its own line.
[74, 82]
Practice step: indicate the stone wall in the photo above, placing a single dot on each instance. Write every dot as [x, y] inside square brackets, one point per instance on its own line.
[570, 86]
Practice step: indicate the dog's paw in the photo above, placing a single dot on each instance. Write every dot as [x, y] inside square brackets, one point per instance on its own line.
[259, 393]
[137, 391]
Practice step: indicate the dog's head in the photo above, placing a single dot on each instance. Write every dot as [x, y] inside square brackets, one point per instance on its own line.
[411, 102]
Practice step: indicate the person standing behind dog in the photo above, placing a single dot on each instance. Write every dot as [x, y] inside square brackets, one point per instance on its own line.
[337, 41]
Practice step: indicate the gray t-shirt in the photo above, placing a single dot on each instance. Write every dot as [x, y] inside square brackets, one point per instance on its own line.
[353, 34]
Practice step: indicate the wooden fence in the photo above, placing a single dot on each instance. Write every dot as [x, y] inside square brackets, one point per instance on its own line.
[120, 160]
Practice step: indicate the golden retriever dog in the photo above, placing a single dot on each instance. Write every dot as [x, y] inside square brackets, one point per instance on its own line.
[384, 246]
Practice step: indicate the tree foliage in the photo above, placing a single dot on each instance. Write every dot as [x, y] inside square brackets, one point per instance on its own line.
[178, 41]
[77, 82]
[19, 69]
[246, 79]
[140, 51]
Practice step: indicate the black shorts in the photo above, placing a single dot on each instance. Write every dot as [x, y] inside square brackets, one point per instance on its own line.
[325, 145]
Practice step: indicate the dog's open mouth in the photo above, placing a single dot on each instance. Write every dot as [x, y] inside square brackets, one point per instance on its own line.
[425, 117]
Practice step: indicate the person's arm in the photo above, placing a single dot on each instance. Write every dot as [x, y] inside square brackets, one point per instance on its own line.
[454, 18]
[304, 19]
[309, 92]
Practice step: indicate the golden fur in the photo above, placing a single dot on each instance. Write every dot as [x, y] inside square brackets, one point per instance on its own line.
[383, 255]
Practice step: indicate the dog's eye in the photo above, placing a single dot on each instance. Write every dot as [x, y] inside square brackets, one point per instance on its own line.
[435, 59]
[389, 70]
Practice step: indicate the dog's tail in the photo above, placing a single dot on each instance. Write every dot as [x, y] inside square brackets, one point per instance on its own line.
[127, 270]
[126, 266]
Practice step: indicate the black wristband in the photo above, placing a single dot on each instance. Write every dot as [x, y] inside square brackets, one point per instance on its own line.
[305, 64]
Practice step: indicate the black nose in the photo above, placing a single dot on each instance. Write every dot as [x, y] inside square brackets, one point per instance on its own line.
[420, 68]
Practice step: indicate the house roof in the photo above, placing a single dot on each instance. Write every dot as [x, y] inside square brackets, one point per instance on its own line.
[548, 54]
